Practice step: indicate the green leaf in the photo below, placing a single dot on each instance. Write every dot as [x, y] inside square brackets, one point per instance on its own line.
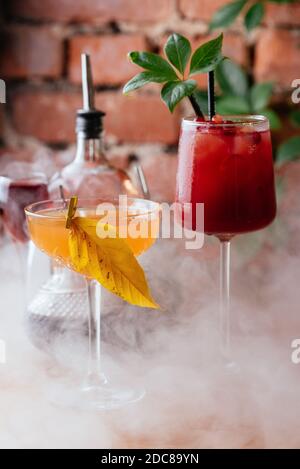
[207, 56]
[232, 105]
[232, 79]
[174, 91]
[142, 79]
[178, 50]
[295, 118]
[154, 63]
[289, 150]
[254, 15]
[227, 14]
[274, 119]
[283, 1]
[260, 95]
[201, 99]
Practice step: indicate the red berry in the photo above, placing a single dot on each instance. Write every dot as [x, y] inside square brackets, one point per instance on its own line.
[217, 119]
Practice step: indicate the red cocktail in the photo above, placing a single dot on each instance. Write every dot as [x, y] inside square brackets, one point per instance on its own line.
[228, 166]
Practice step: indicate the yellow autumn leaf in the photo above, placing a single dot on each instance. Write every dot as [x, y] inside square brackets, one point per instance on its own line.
[78, 248]
[108, 260]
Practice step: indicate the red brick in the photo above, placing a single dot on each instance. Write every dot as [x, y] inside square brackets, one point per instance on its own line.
[96, 11]
[160, 171]
[200, 9]
[283, 14]
[138, 118]
[109, 57]
[277, 57]
[234, 47]
[47, 116]
[31, 51]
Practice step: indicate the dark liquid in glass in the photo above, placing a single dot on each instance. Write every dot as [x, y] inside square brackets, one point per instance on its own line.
[20, 194]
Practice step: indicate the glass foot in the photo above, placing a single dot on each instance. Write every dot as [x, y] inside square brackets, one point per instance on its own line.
[94, 397]
[231, 367]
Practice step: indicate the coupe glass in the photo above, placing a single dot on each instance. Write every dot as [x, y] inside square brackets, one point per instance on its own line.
[228, 167]
[47, 228]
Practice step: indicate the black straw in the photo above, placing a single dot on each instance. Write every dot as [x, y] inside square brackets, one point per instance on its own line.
[211, 95]
[196, 107]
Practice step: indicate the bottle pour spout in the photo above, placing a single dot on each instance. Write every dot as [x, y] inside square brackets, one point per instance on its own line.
[87, 83]
[89, 119]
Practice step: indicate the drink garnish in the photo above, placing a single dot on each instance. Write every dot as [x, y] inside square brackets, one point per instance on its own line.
[109, 260]
[217, 119]
[171, 72]
[71, 210]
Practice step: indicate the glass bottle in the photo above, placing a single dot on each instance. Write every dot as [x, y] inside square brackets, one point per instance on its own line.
[90, 173]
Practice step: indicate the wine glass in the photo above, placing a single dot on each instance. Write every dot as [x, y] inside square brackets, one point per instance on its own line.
[17, 191]
[47, 228]
[228, 166]
[15, 194]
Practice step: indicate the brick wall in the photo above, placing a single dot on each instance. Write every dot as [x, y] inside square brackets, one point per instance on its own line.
[40, 61]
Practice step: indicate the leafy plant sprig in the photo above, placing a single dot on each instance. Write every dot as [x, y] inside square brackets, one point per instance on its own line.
[235, 98]
[239, 97]
[177, 84]
[254, 13]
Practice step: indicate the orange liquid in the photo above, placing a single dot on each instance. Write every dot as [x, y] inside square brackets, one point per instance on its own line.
[49, 232]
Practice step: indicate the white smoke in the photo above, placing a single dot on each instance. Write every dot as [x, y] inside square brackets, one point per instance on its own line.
[191, 401]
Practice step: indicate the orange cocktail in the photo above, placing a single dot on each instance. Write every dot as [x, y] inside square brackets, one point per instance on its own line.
[71, 232]
[48, 230]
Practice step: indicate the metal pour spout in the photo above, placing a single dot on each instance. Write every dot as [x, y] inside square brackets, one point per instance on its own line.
[87, 83]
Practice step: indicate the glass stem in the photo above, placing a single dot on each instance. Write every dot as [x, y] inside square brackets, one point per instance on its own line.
[22, 250]
[225, 297]
[95, 377]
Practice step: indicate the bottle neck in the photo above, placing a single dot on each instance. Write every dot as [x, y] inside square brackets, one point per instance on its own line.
[90, 149]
